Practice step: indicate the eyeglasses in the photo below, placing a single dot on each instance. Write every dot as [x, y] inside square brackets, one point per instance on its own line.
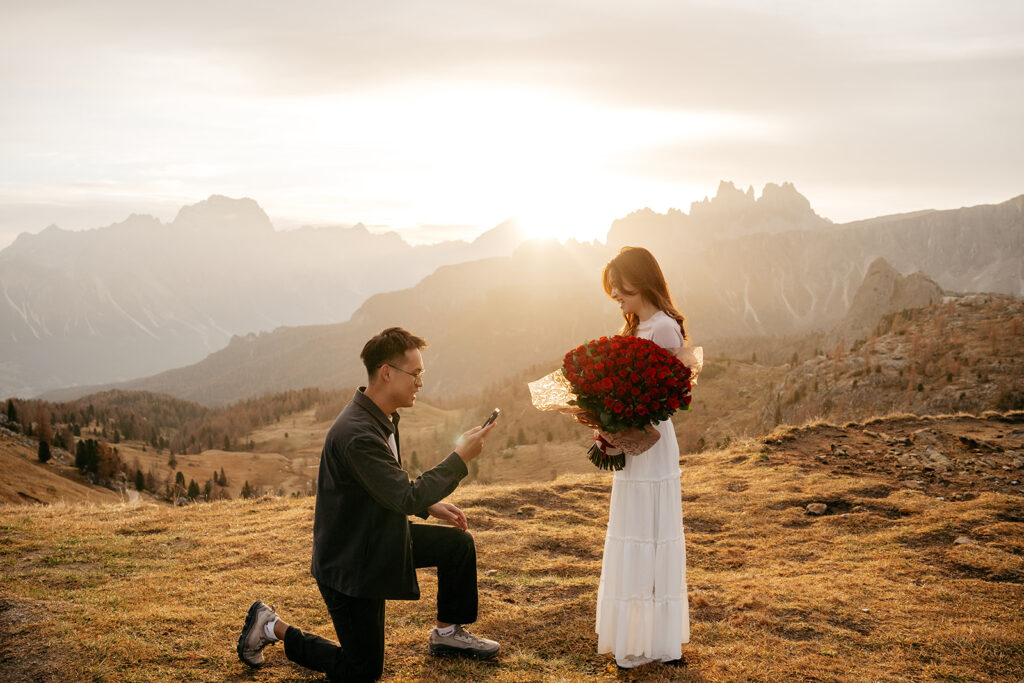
[418, 375]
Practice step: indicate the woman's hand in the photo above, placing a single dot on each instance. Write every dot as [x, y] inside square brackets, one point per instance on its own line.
[446, 512]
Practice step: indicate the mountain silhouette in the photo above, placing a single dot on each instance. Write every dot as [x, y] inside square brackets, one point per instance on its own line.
[490, 318]
[142, 296]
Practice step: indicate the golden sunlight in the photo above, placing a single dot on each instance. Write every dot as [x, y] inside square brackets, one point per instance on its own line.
[479, 154]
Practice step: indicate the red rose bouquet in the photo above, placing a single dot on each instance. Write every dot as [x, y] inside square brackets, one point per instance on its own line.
[618, 385]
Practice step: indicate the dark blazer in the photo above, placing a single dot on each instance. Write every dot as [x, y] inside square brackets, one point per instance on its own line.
[361, 541]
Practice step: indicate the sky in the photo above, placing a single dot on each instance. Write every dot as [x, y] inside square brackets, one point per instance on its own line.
[442, 119]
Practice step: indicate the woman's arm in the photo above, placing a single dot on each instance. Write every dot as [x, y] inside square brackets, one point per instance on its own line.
[666, 334]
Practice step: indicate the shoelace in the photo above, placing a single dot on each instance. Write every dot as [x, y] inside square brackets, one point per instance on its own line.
[465, 636]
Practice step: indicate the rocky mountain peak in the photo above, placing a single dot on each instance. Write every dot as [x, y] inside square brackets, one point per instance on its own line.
[883, 291]
[784, 198]
[220, 214]
[734, 212]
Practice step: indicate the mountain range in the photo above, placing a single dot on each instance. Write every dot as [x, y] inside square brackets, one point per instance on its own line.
[490, 318]
[733, 271]
[142, 296]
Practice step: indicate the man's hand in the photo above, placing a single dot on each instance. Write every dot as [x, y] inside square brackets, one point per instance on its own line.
[447, 512]
[471, 443]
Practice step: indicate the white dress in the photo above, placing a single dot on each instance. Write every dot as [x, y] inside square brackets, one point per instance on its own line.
[642, 608]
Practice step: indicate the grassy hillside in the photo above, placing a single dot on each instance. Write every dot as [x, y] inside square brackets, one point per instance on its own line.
[895, 580]
[26, 480]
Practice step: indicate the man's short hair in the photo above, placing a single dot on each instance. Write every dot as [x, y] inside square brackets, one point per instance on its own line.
[388, 346]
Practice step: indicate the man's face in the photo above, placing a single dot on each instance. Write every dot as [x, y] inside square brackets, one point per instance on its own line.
[406, 378]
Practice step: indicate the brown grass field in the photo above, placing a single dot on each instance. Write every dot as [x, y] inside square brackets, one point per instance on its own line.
[26, 480]
[875, 589]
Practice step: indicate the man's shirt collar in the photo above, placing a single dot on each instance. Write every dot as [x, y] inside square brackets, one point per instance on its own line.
[367, 404]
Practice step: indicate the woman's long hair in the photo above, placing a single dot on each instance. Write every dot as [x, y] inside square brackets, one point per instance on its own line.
[638, 267]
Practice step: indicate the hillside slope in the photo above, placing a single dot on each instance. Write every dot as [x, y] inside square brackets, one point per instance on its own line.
[885, 583]
[26, 480]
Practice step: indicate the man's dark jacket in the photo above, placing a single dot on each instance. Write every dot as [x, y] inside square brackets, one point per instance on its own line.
[361, 541]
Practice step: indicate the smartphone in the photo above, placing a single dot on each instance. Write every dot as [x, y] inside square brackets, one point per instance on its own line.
[491, 418]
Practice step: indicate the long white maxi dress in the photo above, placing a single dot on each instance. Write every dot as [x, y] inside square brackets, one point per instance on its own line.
[642, 608]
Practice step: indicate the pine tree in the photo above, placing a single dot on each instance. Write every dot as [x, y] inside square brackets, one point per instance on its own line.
[246, 490]
[193, 489]
[12, 412]
[87, 456]
[140, 481]
[223, 477]
[44, 451]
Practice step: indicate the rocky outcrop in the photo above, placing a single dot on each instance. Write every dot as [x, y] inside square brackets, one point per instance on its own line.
[730, 213]
[733, 213]
[885, 291]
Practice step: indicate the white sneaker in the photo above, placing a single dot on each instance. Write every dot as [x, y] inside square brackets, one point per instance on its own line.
[462, 643]
[253, 638]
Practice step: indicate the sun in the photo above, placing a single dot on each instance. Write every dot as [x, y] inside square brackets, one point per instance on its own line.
[562, 220]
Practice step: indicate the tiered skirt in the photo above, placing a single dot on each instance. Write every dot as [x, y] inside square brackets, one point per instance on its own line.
[642, 607]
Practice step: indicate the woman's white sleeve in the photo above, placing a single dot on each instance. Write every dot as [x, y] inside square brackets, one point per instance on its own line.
[667, 334]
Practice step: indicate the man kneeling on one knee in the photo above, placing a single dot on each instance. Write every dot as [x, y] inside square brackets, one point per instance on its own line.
[365, 550]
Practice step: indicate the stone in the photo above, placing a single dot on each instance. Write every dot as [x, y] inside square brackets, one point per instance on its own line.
[816, 508]
[912, 484]
[925, 437]
[490, 572]
[935, 459]
[907, 460]
[964, 540]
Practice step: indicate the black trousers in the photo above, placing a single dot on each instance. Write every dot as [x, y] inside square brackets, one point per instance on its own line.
[359, 622]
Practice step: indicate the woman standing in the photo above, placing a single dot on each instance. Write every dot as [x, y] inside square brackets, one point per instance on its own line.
[642, 607]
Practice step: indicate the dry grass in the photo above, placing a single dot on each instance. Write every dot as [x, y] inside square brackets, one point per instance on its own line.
[26, 480]
[875, 589]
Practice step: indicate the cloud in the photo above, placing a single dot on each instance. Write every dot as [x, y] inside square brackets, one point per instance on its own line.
[883, 92]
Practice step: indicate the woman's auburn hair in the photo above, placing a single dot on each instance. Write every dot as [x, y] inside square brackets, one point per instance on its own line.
[638, 267]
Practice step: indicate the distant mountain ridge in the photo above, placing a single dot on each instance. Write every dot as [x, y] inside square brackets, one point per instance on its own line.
[492, 317]
[488, 319]
[804, 280]
[140, 296]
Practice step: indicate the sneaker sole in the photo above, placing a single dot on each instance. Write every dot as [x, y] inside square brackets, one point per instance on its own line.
[465, 653]
[250, 617]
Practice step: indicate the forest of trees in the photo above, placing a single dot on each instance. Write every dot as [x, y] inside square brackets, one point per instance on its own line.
[91, 428]
[160, 421]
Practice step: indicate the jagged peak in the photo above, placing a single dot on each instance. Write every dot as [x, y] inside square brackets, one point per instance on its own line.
[880, 265]
[220, 213]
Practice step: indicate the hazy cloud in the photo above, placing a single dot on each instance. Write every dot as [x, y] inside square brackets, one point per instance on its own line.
[214, 95]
